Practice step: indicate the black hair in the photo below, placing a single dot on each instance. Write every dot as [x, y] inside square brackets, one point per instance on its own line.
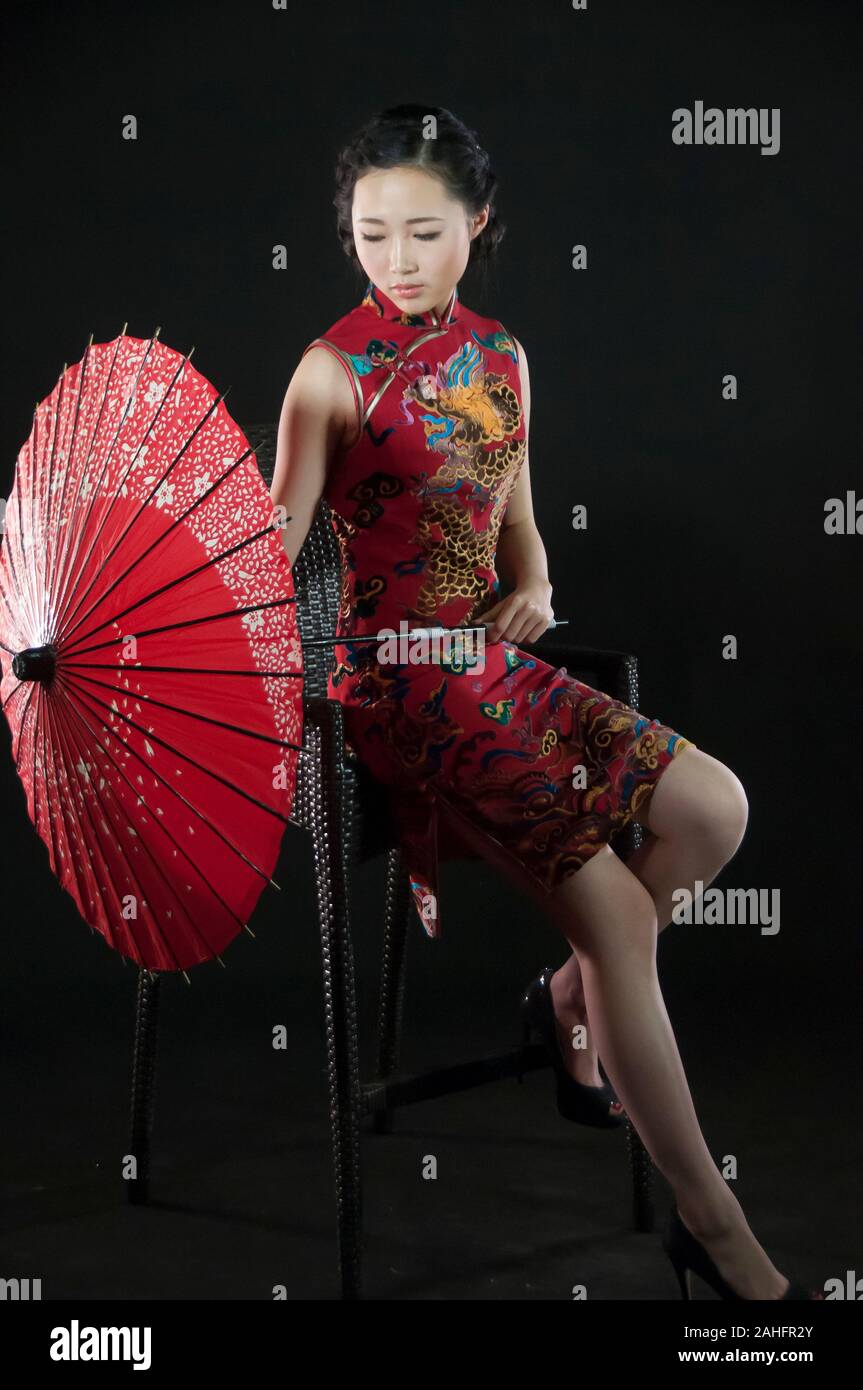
[397, 136]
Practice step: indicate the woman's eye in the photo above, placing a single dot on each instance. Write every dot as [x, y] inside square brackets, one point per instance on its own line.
[421, 236]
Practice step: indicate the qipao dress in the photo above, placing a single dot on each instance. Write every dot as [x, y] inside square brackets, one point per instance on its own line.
[544, 769]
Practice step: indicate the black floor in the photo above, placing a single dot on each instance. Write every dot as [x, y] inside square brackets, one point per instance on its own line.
[525, 1205]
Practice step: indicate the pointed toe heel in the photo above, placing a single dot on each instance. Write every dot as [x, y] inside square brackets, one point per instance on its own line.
[688, 1256]
[594, 1106]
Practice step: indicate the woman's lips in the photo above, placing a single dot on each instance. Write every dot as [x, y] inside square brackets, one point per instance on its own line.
[407, 291]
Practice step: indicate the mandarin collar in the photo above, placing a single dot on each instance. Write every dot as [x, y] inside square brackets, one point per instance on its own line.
[381, 304]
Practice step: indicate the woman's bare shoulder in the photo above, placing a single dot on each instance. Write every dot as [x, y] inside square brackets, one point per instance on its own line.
[323, 379]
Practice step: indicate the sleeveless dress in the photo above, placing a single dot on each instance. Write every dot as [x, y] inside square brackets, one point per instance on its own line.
[544, 769]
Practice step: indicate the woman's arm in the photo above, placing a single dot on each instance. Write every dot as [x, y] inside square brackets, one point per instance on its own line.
[523, 615]
[318, 420]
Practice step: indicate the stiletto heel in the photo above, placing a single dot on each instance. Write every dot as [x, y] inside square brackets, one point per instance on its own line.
[683, 1279]
[596, 1106]
[688, 1256]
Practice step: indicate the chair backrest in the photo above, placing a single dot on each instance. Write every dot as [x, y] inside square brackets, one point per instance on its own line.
[317, 570]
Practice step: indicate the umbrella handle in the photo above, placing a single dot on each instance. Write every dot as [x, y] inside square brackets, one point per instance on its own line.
[414, 633]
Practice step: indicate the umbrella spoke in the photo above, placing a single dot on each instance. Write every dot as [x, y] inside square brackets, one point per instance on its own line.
[77, 708]
[62, 576]
[178, 521]
[70, 453]
[142, 840]
[94, 491]
[21, 728]
[212, 560]
[193, 714]
[190, 806]
[191, 622]
[65, 865]
[140, 512]
[154, 738]
[63, 573]
[179, 670]
[22, 641]
[15, 539]
[103, 882]
[22, 685]
[42, 549]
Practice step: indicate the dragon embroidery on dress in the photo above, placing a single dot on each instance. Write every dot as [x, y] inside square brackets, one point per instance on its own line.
[471, 417]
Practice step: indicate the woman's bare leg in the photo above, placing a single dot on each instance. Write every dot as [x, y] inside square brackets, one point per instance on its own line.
[610, 920]
[682, 846]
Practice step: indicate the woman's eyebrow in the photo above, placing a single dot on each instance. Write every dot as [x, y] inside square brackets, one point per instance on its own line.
[382, 221]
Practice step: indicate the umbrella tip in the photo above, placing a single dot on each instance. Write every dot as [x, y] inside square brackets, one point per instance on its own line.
[251, 933]
[185, 977]
[277, 886]
[221, 962]
[123, 329]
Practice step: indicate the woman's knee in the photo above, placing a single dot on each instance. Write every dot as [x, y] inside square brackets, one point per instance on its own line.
[724, 815]
[699, 797]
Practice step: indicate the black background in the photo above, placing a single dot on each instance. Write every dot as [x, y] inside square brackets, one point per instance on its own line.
[706, 517]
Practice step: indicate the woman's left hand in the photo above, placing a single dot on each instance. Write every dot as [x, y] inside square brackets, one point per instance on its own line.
[523, 616]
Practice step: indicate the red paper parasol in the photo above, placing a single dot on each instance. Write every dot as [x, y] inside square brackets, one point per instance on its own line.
[152, 665]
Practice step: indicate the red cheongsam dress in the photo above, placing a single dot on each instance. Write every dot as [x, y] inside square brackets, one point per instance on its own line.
[543, 768]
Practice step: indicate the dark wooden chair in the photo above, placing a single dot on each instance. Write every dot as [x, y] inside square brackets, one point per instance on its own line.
[347, 813]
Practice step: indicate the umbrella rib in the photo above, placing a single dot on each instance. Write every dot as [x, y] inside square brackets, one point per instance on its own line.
[179, 795]
[171, 749]
[22, 685]
[54, 854]
[21, 729]
[175, 898]
[93, 437]
[94, 492]
[165, 831]
[66, 631]
[69, 453]
[191, 622]
[80, 877]
[70, 642]
[151, 547]
[114, 937]
[41, 608]
[91, 500]
[192, 714]
[28, 591]
[25, 589]
[177, 670]
[12, 614]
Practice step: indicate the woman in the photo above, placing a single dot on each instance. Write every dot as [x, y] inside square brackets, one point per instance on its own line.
[410, 415]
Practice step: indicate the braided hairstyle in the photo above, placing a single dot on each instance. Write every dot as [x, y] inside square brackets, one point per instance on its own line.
[397, 136]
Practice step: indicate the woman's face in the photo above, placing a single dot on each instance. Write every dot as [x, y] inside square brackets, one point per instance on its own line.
[408, 230]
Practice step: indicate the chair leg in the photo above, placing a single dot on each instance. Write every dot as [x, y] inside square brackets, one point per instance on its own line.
[331, 827]
[392, 982]
[143, 1083]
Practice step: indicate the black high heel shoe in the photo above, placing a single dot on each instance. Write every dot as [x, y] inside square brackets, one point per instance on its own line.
[596, 1106]
[689, 1257]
